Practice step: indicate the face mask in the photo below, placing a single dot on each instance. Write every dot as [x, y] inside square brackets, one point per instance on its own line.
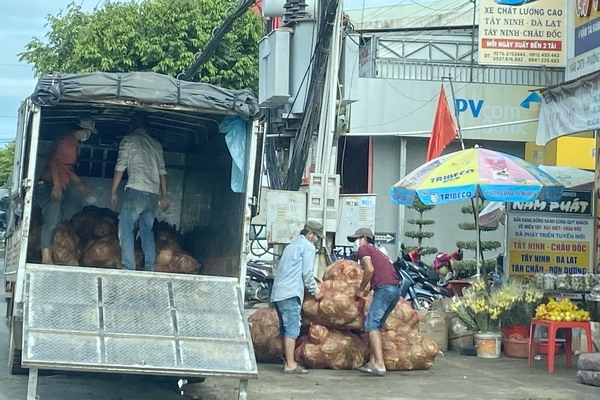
[355, 246]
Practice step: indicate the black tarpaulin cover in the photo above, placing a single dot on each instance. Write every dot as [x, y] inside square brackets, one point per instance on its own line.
[143, 87]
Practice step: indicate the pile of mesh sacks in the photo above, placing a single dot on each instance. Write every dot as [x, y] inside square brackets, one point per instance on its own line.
[90, 238]
[332, 334]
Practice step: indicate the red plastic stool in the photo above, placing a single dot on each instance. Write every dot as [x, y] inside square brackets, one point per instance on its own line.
[553, 327]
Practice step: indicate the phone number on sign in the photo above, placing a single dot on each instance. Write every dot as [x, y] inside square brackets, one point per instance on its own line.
[543, 60]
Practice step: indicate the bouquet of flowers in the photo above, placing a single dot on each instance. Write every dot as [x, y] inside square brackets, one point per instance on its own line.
[512, 304]
[518, 303]
[476, 309]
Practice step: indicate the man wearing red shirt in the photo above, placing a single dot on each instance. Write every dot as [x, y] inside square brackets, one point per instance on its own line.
[380, 272]
[58, 173]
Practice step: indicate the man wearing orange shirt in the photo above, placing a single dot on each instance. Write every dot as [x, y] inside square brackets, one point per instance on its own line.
[58, 173]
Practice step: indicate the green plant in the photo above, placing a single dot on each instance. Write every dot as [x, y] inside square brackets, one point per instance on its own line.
[420, 234]
[152, 35]
[484, 246]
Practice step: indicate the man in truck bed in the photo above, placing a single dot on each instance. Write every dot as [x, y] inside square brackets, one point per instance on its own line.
[142, 157]
[58, 173]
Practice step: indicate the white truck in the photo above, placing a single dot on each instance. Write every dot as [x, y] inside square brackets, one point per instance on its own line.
[118, 321]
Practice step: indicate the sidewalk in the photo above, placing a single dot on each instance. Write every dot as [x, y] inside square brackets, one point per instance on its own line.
[453, 377]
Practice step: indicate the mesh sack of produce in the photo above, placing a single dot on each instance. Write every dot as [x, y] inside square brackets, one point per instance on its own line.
[401, 316]
[344, 270]
[166, 235]
[176, 261]
[34, 254]
[563, 282]
[104, 253]
[339, 308]
[407, 350]
[265, 333]
[325, 347]
[94, 223]
[66, 248]
[589, 377]
[578, 282]
[589, 362]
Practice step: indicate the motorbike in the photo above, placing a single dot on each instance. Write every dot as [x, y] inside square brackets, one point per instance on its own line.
[259, 282]
[414, 293]
[426, 277]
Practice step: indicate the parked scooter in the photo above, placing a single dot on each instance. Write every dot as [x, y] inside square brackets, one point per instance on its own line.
[423, 275]
[414, 293]
[259, 282]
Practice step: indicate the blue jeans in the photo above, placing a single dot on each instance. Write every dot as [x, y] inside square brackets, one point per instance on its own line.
[137, 207]
[385, 299]
[288, 311]
[51, 208]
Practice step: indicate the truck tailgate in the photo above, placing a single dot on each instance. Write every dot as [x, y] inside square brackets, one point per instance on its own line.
[91, 319]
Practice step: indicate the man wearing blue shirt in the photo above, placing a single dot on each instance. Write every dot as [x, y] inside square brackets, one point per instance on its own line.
[294, 273]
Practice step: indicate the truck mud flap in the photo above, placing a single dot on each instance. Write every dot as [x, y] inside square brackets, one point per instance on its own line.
[90, 319]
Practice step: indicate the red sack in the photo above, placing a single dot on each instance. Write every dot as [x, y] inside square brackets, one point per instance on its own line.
[344, 270]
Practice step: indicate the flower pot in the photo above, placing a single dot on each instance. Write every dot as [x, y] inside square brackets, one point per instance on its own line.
[516, 332]
[488, 344]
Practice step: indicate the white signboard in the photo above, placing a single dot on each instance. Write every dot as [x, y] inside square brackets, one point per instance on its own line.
[570, 108]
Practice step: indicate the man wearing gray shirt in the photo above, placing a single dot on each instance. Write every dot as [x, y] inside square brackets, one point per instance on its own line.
[142, 157]
[294, 273]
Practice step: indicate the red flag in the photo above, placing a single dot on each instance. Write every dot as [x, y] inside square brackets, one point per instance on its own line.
[444, 131]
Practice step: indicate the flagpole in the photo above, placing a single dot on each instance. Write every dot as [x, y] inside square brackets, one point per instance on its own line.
[475, 210]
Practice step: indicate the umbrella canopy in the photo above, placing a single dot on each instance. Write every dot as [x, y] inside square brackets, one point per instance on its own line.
[476, 172]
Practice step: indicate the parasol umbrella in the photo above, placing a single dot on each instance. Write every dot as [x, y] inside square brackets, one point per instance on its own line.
[476, 173]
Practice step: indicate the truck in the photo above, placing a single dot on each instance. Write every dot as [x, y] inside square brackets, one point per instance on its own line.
[82, 318]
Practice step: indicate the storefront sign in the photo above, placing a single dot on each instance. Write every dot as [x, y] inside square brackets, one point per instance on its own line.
[572, 202]
[570, 108]
[540, 243]
[529, 33]
[584, 36]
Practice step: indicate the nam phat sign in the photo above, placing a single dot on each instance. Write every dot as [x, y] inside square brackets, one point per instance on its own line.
[573, 202]
[551, 237]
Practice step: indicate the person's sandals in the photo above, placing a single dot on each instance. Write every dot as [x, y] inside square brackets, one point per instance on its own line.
[369, 369]
[296, 371]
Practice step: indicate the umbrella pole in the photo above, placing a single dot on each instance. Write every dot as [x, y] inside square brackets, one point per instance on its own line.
[475, 210]
[478, 234]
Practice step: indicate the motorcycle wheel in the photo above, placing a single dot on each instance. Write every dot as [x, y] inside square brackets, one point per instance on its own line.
[422, 302]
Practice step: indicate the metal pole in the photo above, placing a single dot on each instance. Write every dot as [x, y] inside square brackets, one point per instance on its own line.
[475, 210]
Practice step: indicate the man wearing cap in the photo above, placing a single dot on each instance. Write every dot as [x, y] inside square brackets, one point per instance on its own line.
[57, 175]
[142, 156]
[380, 272]
[294, 273]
